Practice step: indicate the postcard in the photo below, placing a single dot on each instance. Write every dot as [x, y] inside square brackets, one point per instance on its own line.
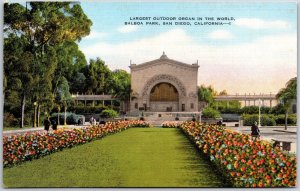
[149, 94]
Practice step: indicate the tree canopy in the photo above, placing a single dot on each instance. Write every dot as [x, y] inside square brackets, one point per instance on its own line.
[286, 95]
[39, 49]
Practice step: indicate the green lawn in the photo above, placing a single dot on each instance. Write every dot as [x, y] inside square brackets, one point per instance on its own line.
[138, 157]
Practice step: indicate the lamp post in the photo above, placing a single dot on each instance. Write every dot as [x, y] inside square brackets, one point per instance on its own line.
[259, 105]
[200, 117]
[35, 108]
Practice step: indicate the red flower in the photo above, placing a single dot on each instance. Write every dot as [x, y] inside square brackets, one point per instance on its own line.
[243, 169]
[261, 170]
[268, 177]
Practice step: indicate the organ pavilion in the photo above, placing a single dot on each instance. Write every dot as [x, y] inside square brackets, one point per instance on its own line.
[164, 85]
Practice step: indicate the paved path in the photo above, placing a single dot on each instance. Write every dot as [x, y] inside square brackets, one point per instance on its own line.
[36, 129]
[274, 133]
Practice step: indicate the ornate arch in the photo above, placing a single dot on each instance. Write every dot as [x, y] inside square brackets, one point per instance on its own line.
[164, 78]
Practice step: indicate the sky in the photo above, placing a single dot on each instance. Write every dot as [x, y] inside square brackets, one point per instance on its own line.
[256, 53]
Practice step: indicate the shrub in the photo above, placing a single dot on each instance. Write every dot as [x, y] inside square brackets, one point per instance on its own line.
[9, 120]
[231, 110]
[209, 112]
[278, 109]
[266, 120]
[108, 113]
[291, 120]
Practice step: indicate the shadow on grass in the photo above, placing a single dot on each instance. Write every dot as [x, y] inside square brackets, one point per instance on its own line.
[200, 160]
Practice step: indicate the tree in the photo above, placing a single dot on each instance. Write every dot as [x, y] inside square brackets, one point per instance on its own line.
[63, 96]
[34, 31]
[224, 92]
[78, 83]
[122, 87]
[99, 79]
[286, 95]
[71, 64]
[20, 80]
[206, 94]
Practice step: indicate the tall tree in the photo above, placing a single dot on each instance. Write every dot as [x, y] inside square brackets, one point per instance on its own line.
[122, 87]
[17, 71]
[286, 95]
[99, 78]
[39, 26]
[71, 61]
[63, 96]
[78, 83]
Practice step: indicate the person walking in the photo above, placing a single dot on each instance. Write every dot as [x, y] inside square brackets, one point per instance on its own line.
[255, 132]
[92, 120]
[54, 124]
[46, 124]
[79, 122]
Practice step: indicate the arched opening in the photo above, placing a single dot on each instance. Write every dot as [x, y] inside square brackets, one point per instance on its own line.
[164, 97]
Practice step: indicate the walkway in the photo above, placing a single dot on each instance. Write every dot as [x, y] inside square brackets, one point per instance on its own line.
[137, 157]
[35, 129]
[275, 133]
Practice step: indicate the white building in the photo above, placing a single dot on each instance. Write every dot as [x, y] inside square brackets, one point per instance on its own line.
[164, 85]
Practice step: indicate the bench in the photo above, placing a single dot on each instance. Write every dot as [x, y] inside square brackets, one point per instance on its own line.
[284, 145]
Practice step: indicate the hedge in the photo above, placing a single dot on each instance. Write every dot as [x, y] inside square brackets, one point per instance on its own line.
[266, 120]
[291, 120]
[209, 112]
[270, 120]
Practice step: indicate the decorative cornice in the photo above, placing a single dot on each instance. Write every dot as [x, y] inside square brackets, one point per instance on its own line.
[163, 60]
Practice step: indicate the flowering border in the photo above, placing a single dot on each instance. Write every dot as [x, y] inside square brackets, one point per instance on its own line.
[171, 124]
[245, 163]
[20, 148]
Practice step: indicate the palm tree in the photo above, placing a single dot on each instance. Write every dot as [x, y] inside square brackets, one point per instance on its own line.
[286, 95]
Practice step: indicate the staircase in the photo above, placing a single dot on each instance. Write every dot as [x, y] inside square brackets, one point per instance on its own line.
[157, 119]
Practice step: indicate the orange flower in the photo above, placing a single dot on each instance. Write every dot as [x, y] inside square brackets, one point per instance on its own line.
[236, 165]
[260, 184]
[243, 169]
[249, 162]
[285, 181]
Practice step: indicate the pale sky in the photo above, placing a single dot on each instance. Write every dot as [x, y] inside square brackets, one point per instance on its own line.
[257, 53]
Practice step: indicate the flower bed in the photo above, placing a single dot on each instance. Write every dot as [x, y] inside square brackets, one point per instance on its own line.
[243, 162]
[19, 148]
[171, 124]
